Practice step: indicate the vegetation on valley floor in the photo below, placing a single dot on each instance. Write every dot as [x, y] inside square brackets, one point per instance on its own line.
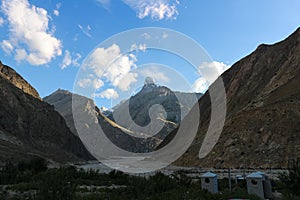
[33, 180]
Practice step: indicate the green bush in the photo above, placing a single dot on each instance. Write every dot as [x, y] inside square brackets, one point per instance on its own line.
[290, 181]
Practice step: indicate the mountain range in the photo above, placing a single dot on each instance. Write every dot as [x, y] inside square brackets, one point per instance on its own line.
[262, 125]
[131, 132]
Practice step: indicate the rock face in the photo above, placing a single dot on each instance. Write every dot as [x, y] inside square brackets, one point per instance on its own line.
[122, 131]
[262, 126]
[62, 102]
[30, 127]
[13, 77]
[175, 104]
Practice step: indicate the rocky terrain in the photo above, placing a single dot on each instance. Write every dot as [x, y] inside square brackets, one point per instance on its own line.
[132, 133]
[262, 125]
[13, 77]
[30, 127]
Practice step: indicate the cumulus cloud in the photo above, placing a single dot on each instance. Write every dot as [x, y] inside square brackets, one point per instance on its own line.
[111, 64]
[108, 94]
[1, 21]
[68, 60]
[29, 31]
[84, 83]
[210, 72]
[20, 55]
[97, 83]
[127, 80]
[118, 69]
[200, 85]
[156, 9]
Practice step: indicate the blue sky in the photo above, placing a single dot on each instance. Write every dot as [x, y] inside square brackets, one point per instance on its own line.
[47, 41]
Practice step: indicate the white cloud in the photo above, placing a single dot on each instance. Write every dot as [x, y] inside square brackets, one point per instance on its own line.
[97, 83]
[28, 28]
[84, 83]
[56, 12]
[200, 85]
[111, 64]
[88, 82]
[210, 72]
[7, 46]
[165, 35]
[118, 69]
[108, 94]
[140, 47]
[20, 55]
[147, 36]
[99, 60]
[154, 72]
[68, 60]
[127, 80]
[85, 30]
[1, 21]
[156, 9]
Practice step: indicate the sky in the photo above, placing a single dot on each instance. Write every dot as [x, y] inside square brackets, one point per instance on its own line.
[50, 42]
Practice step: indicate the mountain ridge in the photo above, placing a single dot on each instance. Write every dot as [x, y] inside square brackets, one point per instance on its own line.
[30, 128]
[263, 103]
[17, 80]
[122, 134]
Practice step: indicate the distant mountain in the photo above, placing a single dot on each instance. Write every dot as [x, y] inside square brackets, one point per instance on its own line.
[174, 106]
[120, 130]
[62, 102]
[262, 126]
[30, 127]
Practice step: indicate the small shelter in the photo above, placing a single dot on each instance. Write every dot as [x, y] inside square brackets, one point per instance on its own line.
[259, 184]
[209, 181]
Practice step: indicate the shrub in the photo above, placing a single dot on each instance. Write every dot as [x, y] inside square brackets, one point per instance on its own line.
[291, 180]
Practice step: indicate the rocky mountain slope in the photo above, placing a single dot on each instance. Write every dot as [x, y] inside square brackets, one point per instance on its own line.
[262, 125]
[120, 129]
[30, 127]
[13, 77]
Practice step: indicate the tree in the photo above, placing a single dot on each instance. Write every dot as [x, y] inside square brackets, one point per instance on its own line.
[291, 179]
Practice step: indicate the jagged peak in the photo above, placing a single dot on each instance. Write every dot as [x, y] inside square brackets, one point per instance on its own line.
[62, 91]
[149, 85]
[149, 81]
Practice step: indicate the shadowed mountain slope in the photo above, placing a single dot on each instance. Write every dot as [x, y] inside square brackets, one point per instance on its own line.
[30, 127]
[262, 125]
